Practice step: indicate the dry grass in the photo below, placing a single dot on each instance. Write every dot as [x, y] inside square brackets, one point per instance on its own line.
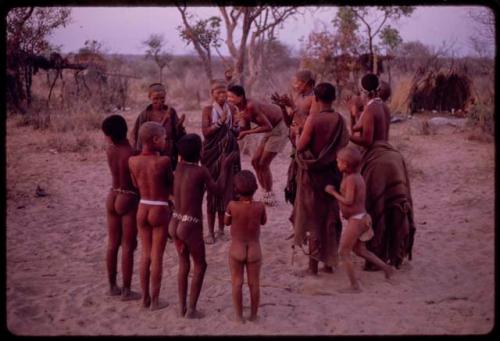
[399, 102]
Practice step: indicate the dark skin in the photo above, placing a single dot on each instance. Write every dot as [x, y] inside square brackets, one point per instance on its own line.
[245, 217]
[301, 103]
[190, 184]
[208, 128]
[373, 125]
[152, 175]
[317, 132]
[121, 209]
[352, 201]
[158, 114]
[266, 116]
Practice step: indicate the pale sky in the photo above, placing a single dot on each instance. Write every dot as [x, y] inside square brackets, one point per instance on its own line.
[122, 29]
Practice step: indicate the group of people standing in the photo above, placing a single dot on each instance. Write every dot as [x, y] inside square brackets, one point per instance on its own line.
[160, 176]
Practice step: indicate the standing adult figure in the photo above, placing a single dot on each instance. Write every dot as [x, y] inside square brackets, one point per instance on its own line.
[220, 130]
[295, 109]
[269, 120]
[388, 192]
[164, 114]
[316, 214]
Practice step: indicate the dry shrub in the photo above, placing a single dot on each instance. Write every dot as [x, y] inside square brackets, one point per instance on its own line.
[72, 142]
[401, 88]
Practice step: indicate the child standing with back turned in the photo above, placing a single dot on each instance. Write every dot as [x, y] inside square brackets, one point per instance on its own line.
[121, 207]
[245, 217]
[359, 224]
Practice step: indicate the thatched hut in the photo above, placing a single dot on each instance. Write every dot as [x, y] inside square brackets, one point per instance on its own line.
[441, 92]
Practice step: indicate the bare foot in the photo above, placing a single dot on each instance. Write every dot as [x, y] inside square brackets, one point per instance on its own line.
[146, 301]
[182, 311]
[210, 239]
[115, 291]
[157, 305]
[129, 295]
[253, 318]
[221, 235]
[194, 314]
[350, 290]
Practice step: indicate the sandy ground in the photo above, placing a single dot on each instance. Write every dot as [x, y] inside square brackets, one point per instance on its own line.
[55, 245]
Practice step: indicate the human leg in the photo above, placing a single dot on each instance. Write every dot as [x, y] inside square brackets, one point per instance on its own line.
[129, 244]
[264, 165]
[182, 278]
[236, 268]
[197, 251]
[253, 277]
[361, 250]
[145, 235]
[348, 239]
[114, 237]
[159, 240]
[210, 239]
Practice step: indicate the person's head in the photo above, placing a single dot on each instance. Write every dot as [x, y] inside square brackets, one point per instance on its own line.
[157, 94]
[152, 134]
[245, 183]
[236, 94]
[303, 81]
[218, 89]
[369, 85]
[324, 93]
[115, 128]
[189, 147]
[348, 159]
[384, 91]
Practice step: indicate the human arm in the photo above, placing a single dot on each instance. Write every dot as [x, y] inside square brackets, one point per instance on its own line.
[283, 102]
[208, 128]
[132, 176]
[365, 125]
[303, 138]
[263, 124]
[227, 214]
[263, 217]
[348, 198]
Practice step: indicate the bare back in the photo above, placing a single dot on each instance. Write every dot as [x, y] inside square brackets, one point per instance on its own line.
[190, 184]
[245, 219]
[152, 175]
[118, 164]
[319, 130]
[354, 184]
[271, 111]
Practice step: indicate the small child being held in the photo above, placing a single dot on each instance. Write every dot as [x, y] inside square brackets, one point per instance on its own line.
[245, 217]
[152, 175]
[121, 207]
[191, 182]
[359, 224]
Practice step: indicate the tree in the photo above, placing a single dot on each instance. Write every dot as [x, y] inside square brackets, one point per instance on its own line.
[382, 15]
[257, 24]
[203, 34]
[483, 39]
[155, 44]
[27, 31]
